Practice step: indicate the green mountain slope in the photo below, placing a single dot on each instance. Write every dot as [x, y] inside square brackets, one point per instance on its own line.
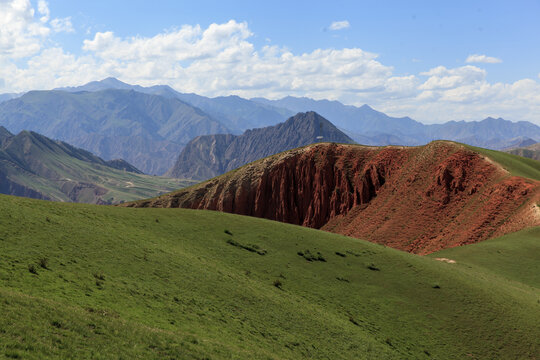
[35, 166]
[88, 281]
[514, 164]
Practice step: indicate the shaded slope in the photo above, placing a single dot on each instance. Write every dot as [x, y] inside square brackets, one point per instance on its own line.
[208, 156]
[415, 199]
[170, 283]
[146, 130]
[33, 165]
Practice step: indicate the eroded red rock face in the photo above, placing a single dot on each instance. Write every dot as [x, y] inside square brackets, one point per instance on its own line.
[415, 199]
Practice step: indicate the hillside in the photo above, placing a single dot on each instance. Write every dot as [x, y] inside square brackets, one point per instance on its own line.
[211, 155]
[146, 130]
[531, 151]
[103, 282]
[33, 165]
[419, 199]
[370, 127]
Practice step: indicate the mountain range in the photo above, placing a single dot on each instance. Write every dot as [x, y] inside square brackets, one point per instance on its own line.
[149, 126]
[35, 166]
[234, 112]
[370, 127]
[211, 155]
[146, 130]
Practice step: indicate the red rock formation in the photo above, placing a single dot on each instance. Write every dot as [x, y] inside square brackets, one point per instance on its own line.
[416, 199]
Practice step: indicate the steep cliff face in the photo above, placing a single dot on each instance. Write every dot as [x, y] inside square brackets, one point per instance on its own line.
[416, 199]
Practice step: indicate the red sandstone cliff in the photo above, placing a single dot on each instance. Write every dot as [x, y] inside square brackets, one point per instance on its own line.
[419, 199]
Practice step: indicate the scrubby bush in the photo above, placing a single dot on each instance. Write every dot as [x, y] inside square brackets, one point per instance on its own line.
[32, 269]
[44, 263]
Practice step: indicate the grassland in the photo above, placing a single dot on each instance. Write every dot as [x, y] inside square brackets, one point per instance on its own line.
[85, 281]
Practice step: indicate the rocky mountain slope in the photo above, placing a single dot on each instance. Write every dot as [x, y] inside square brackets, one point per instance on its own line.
[35, 166]
[146, 130]
[420, 199]
[211, 155]
[531, 151]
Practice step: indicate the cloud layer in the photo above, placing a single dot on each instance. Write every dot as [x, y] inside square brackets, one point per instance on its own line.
[221, 60]
[482, 59]
[339, 25]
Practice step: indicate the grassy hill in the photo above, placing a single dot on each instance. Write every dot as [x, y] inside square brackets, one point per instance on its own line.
[35, 166]
[85, 281]
[514, 164]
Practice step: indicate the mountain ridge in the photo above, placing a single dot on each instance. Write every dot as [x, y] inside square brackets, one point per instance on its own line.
[35, 166]
[146, 130]
[419, 199]
[211, 155]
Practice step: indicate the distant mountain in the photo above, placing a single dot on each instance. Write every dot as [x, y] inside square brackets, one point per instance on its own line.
[531, 151]
[372, 127]
[362, 120]
[234, 112]
[33, 165]
[211, 155]
[8, 96]
[146, 130]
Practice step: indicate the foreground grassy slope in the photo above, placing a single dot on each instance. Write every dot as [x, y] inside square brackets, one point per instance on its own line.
[87, 281]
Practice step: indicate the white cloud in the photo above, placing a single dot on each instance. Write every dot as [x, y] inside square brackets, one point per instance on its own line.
[62, 25]
[483, 59]
[223, 60]
[43, 9]
[21, 34]
[339, 25]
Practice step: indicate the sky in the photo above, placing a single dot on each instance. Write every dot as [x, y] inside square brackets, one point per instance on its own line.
[431, 60]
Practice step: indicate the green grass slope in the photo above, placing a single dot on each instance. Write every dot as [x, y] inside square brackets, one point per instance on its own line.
[84, 281]
[513, 257]
[515, 165]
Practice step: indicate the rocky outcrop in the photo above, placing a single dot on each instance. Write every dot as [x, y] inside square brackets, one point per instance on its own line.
[211, 155]
[416, 199]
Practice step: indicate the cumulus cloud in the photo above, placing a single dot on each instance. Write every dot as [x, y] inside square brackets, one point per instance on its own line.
[482, 59]
[62, 25]
[221, 59]
[339, 25]
[21, 34]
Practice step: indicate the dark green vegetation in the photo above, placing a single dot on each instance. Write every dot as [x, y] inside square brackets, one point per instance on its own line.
[35, 166]
[208, 156]
[99, 282]
[146, 130]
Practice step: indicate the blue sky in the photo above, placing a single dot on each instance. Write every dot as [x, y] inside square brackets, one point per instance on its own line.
[402, 57]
